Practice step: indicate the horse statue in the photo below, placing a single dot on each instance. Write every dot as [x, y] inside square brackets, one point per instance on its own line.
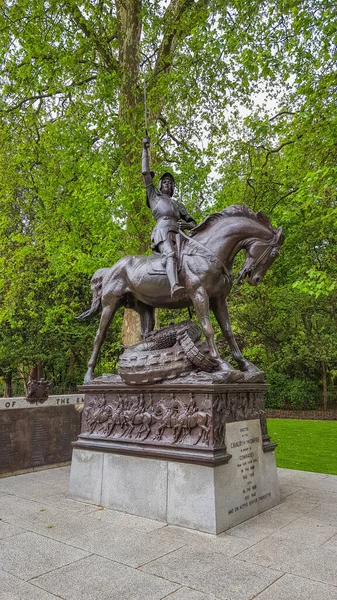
[206, 257]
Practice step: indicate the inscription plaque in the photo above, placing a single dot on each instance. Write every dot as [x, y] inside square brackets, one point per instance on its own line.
[253, 487]
[35, 436]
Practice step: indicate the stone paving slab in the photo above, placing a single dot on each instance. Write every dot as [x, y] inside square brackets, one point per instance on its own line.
[62, 525]
[317, 563]
[97, 578]
[13, 588]
[291, 587]
[331, 543]
[207, 572]
[52, 547]
[128, 546]
[263, 525]
[223, 543]
[62, 501]
[287, 490]
[307, 531]
[7, 530]
[19, 511]
[27, 555]
[121, 519]
[186, 593]
[327, 513]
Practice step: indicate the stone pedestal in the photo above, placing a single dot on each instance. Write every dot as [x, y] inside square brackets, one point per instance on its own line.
[192, 455]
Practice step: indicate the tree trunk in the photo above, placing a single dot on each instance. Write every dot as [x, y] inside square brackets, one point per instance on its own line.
[24, 378]
[36, 372]
[8, 385]
[325, 396]
[130, 328]
[129, 30]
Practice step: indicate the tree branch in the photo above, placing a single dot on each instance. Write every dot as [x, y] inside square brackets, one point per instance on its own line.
[47, 95]
[172, 33]
[293, 191]
[280, 114]
[85, 26]
[275, 150]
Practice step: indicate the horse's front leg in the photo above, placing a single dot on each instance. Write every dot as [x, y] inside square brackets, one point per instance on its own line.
[220, 309]
[106, 318]
[200, 301]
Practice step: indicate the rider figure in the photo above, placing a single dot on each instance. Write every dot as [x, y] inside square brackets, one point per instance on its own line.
[170, 216]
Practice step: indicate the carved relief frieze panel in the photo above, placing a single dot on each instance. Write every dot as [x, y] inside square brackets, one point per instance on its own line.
[172, 418]
[169, 418]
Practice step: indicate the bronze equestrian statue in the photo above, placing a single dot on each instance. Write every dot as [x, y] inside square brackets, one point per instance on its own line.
[171, 217]
[205, 276]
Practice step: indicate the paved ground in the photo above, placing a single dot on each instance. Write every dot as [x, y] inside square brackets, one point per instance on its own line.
[52, 547]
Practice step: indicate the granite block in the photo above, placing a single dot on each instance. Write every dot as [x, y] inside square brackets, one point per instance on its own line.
[191, 496]
[86, 475]
[216, 498]
[135, 485]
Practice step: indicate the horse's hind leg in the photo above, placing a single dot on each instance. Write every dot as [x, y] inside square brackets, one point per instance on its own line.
[106, 318]
[146, 314]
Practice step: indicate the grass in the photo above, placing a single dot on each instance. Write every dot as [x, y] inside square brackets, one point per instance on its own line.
[305, 445]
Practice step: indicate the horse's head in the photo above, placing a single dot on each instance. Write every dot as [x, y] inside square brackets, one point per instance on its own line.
[260, 255]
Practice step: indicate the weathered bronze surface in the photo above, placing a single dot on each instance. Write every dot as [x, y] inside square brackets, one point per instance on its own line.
[38, 391]
[166, 353]
[171, 216]
[171, 421]
[38, 436]
[186, 270]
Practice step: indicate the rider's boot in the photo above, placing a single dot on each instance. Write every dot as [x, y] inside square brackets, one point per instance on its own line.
[177, 290]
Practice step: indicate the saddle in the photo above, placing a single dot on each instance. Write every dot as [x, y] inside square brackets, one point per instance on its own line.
[155, 266]
[188, 246]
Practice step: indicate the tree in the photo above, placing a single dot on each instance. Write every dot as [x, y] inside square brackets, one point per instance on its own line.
[72, 121]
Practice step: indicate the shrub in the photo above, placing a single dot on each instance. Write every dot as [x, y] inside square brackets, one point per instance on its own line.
[295, 393]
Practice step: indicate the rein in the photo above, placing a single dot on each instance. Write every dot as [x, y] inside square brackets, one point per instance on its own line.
[256, 262]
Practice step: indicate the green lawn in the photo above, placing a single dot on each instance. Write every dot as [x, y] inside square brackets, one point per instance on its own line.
[305, 445]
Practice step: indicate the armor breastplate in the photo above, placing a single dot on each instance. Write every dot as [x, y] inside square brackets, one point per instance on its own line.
[166, 209]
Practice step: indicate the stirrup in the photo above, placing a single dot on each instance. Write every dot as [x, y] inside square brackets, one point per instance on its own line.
[177, 291]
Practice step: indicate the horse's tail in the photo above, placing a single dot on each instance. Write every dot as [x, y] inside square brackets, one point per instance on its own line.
[96, 286]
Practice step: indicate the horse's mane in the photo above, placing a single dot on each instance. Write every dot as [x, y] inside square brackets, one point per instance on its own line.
[235, 210]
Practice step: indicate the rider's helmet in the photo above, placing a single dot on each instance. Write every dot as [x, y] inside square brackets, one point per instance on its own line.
[170, 176]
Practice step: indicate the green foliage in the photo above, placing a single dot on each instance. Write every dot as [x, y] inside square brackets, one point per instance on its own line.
[241, 107]
[293, 393]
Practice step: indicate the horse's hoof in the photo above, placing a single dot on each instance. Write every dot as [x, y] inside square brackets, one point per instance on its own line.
[88, 378]
[253, 376]
[235, 376]
[232, 376]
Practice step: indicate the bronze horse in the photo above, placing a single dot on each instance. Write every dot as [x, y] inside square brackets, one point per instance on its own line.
[140, 282]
